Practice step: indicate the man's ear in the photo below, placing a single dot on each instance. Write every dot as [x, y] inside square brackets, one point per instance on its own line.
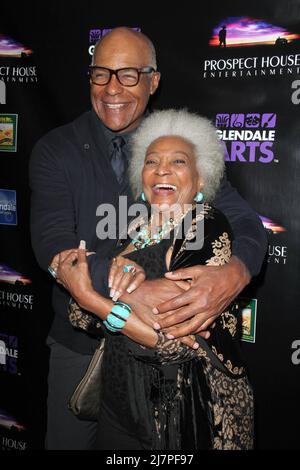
[154, 82]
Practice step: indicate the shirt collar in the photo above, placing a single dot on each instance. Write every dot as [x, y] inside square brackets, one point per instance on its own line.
[108, 134]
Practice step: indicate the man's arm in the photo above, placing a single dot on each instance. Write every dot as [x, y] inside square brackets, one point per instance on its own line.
[213, 288]
[250, 237]
[52, 219]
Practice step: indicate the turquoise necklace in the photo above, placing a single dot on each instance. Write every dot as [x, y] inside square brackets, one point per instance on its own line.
[146, 237]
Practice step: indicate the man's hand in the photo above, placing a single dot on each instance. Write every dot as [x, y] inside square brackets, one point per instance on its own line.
[149, 294]
[212, 289]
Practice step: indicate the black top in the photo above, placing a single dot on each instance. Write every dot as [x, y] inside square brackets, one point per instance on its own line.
[136, 380]
[70, 176]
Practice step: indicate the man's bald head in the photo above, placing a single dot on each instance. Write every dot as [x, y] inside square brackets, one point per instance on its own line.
[128, 36]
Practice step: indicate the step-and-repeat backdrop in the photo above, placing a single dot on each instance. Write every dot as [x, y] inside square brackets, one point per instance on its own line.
[238, 64]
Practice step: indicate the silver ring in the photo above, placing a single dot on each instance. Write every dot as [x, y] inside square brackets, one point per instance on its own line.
[53, 272]
[129, 268]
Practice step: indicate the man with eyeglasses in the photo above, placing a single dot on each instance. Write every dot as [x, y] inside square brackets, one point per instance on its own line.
[81, 165]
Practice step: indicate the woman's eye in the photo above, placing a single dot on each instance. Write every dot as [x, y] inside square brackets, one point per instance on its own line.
[150, 162]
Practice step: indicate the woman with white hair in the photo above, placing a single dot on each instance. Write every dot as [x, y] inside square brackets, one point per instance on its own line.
[158, 392]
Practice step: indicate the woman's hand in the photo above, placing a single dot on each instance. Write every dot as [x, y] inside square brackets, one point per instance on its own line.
[143, 334]
[73, 274]
[124, 275]
[60, 257]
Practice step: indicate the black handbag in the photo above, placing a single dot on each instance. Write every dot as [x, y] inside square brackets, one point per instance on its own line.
[85, 400]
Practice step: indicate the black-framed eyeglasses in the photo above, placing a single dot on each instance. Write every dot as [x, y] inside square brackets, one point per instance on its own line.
[127, 76]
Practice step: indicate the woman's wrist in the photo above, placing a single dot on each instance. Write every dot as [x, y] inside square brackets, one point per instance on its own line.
[134, 328]
[139, 332]
[93, 302]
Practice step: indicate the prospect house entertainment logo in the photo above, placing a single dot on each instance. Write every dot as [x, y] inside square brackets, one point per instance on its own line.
[241, 31]
[238, 33]
[11, 48]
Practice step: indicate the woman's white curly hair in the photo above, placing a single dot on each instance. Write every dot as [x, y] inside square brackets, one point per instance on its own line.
[198, 130]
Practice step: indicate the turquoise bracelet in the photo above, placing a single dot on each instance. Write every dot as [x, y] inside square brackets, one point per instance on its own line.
[115, 322]
[110, 327]
[116, 319]
[121, 310]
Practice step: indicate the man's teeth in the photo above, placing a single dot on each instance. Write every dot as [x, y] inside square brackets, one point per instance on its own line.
[114, 106]
[165, 186]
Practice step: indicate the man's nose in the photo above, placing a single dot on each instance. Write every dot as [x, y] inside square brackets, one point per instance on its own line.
[114, 87]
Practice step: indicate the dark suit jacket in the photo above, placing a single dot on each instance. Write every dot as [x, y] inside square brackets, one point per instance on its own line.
[70, 176]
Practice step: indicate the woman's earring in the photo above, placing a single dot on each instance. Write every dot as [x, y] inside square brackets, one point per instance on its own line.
[199, 197]
[143, 197]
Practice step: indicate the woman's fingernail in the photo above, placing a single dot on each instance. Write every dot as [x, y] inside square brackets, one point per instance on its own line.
[195, 345]
[82, 245]
[170, 336]
[116, 296]
[112, 292]
[154, 310]
[207, 335]
[156, 326]
[130, 289]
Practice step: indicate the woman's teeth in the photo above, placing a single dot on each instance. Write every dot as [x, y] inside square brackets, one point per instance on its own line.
[163, 186]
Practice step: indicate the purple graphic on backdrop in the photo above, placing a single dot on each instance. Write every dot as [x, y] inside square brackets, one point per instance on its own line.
[247, 137]
[271, 226]
[10, 276]
[96, 34]
[11, 48]
[9, 422]
[237, 31]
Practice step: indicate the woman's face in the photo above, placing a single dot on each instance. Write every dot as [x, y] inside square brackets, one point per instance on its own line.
[170, 174]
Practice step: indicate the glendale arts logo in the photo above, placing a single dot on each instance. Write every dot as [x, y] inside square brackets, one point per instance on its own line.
[96, 34]
[8, 203]
[240, 32]
[9, 352]
[247, 137]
